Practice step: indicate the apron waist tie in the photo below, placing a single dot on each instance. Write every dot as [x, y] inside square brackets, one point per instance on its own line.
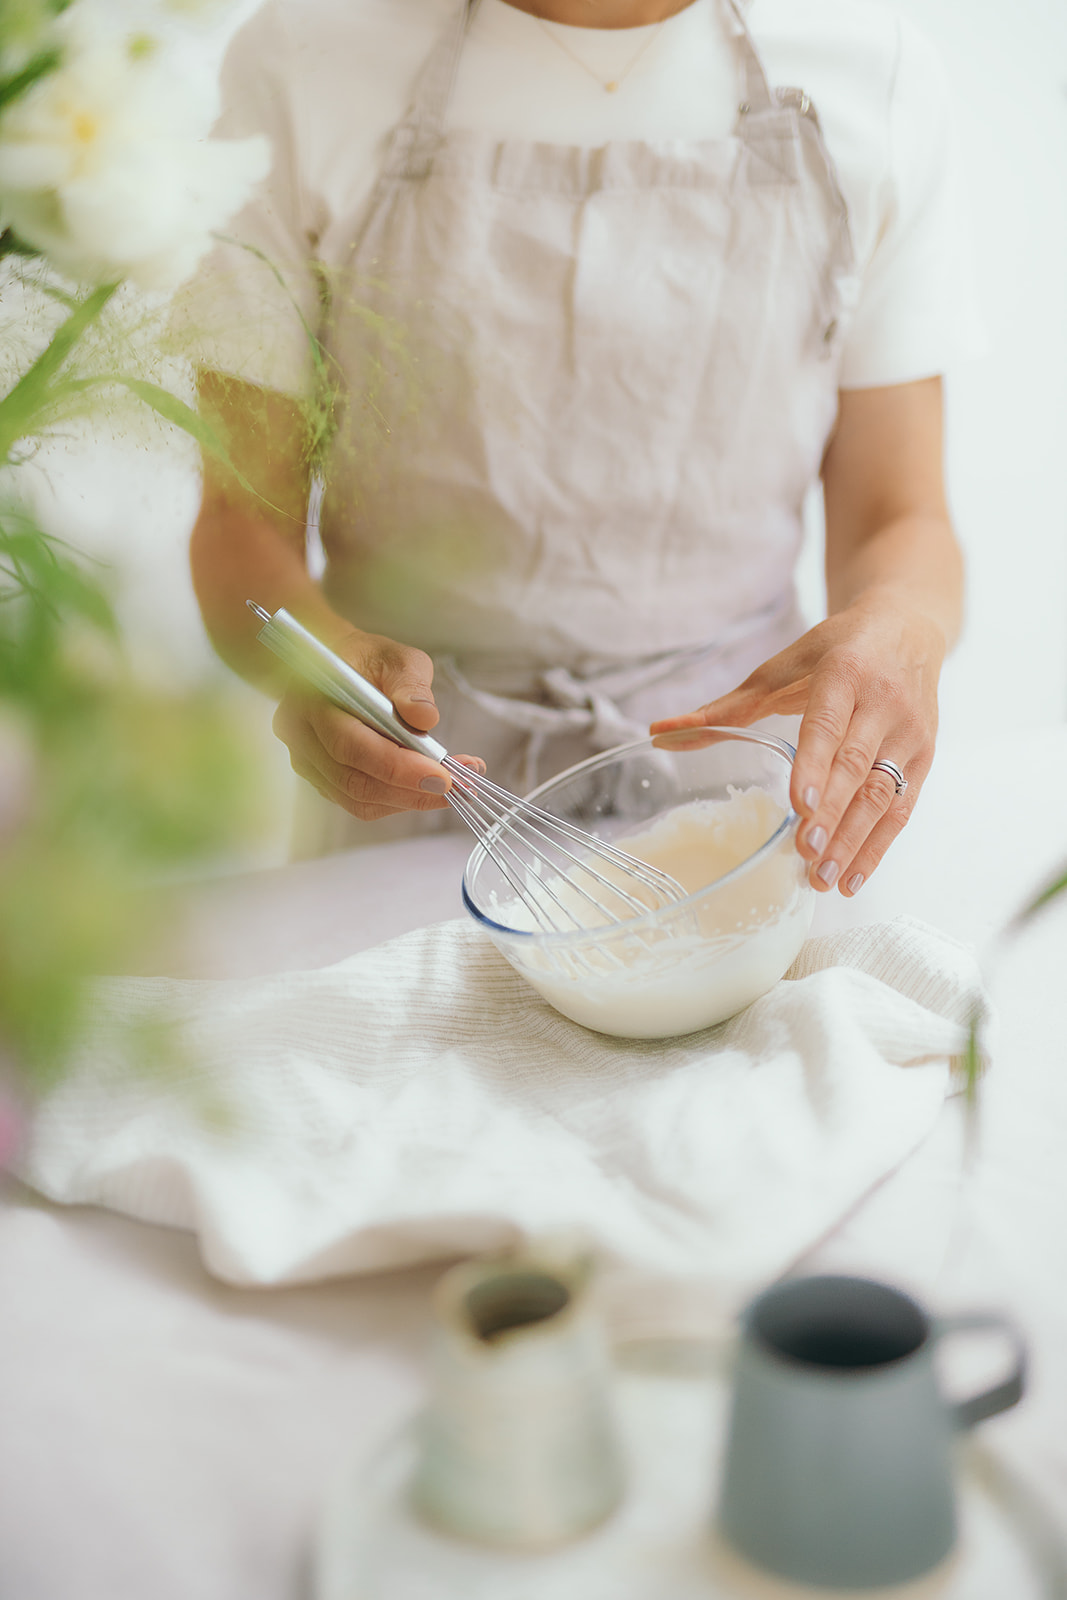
[573, 707]
[588, 706]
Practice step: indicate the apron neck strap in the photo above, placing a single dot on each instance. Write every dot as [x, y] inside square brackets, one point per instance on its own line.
[416, 138]
[757, 93]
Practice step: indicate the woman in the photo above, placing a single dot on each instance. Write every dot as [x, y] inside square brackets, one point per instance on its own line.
[605, 300]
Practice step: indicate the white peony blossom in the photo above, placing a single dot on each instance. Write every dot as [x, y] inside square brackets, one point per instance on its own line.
[105, 163]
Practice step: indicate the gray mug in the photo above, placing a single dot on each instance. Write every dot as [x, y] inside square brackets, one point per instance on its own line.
[838, 1464]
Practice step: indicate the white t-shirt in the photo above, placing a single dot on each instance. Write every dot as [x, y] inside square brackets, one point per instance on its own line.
[327, 80]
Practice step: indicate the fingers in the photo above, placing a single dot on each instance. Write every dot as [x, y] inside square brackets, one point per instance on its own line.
[405, 675]
[732, 710]
[851, 813]
[680, 733]
[874, 817]
[358, 769]
[779, 687]
[860, 862]
[351, 765]
[866, 690]
[754, 698]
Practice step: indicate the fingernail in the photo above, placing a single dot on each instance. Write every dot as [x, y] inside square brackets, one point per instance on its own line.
[817, 840]
[422, 700]
[855, 883]
[811, 799]
[828, 873]
[433, 785]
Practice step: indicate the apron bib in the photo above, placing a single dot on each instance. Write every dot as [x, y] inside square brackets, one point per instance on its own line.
[586, 392]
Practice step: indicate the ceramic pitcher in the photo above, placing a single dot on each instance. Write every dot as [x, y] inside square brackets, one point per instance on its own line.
[518, 1445]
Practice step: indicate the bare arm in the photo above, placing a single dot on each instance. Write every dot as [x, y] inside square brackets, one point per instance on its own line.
[888, 531]
[248, 543]
[866, 678]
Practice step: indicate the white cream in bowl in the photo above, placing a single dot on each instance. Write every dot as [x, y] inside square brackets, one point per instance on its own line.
[651, 977]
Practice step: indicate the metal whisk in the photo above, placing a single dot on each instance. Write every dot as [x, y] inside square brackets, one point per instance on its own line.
[567, 878]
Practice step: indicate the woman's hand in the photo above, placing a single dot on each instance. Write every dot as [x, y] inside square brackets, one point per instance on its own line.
[349, 763]
[250, 542]
[865, 680]
[866, 683]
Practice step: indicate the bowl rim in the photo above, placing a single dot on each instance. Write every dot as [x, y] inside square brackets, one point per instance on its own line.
[564, 936]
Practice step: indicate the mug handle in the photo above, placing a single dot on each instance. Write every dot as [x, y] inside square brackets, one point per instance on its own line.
[1003, 1395]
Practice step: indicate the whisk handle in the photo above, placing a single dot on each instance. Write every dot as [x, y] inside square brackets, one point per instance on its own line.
[325, 671]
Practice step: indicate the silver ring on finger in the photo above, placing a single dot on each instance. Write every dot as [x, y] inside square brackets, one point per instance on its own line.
[900, 782]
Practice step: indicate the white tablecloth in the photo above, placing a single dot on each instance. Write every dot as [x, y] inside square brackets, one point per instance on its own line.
[167, 1438]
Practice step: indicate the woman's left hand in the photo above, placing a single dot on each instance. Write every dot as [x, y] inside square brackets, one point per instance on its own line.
[866, 683]
[866, 678]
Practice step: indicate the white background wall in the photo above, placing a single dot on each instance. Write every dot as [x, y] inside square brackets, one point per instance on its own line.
[1008, 418]
[1007, 413]
[133, 505]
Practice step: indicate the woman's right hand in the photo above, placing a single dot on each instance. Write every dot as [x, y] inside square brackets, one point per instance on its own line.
[347, 762]
[250, 540]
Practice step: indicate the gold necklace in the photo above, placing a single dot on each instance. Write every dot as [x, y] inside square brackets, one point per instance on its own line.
[613, 83]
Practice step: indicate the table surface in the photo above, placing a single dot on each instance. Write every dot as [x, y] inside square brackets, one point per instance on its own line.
[166, 1437]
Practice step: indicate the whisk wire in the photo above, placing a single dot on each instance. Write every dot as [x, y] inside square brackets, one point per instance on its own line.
[492, 813]
[532, 813]
[503, 856]
[492, 828]
[518, 836]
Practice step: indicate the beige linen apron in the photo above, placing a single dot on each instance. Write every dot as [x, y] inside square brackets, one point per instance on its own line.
[587, 391]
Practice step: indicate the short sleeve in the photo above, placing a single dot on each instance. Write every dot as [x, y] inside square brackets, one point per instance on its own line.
[917, 313]
[252, 306]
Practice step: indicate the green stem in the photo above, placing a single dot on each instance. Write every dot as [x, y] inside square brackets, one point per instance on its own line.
[22, 409]
[38, 67]
[172, 410]
[1056, 885]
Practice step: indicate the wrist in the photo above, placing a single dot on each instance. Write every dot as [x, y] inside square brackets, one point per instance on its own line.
[898, 606]
[310, 608]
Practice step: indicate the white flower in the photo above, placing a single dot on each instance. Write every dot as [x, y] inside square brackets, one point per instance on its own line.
[105, 163]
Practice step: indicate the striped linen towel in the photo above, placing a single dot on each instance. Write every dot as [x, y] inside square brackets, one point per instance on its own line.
[419, 1101]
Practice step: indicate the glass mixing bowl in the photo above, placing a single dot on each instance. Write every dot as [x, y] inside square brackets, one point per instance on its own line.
[685, 966]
